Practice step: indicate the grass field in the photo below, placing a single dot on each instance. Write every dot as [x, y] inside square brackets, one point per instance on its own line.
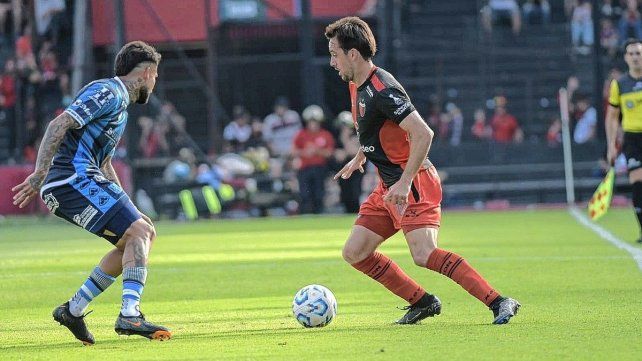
[225, 289]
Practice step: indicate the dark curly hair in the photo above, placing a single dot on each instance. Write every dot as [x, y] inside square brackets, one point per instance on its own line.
[132, 54]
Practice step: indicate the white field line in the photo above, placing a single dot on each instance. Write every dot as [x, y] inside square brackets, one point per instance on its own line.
[636, 253]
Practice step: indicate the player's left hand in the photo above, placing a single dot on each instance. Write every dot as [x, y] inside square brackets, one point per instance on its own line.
[28, 189]
[398, 193]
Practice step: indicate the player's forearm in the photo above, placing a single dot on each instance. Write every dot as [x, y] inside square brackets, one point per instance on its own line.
[49, 145]
[612, 125]
[110, 173]
[419, 146]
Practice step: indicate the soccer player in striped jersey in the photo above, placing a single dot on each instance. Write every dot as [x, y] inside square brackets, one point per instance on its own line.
[395, 138]
[76, 180]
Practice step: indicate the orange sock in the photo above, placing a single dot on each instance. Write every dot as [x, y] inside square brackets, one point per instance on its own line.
[385, 271]
[454, 266]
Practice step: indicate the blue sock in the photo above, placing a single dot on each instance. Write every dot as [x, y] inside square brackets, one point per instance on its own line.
[133, 284]
[97, 282]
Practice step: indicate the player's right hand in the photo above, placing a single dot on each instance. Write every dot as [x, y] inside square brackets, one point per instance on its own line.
[349, 168]
[27, 190]
[611, 154]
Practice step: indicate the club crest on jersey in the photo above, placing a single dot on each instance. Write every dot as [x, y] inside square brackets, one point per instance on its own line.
[362, 108]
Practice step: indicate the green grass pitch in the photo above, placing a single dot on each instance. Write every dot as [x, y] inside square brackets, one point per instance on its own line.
[225, 289]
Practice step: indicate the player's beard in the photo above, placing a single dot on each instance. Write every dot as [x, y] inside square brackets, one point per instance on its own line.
[346, 77]
[143, 95]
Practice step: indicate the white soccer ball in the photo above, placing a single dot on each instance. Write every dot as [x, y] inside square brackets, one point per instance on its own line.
[314, 306]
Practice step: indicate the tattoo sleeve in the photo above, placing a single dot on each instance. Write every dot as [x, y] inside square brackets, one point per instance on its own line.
[109, 172]
[49, 145]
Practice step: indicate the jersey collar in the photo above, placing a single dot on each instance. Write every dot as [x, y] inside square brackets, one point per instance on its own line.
[374, 69]
[123, 88]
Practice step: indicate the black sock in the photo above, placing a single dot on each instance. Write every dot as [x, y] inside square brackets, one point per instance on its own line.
[425, 300]
[637, 202]
[495, 304]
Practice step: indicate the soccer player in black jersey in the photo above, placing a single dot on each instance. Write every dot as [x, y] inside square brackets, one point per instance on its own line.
[395, 138]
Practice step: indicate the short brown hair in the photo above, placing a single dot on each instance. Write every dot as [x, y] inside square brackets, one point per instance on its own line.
[134, 53]
[353, 33]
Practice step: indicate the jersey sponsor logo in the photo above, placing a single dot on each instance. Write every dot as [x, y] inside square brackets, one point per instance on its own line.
[367, 148]
[402, 108]
[397, 100]
[51, 202]
[362, 108]
[369, 91]
[85, 217]
[82, 106]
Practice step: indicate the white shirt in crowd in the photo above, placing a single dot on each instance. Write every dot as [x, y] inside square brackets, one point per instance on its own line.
[236, 132]
[279, 131]
[585, 128]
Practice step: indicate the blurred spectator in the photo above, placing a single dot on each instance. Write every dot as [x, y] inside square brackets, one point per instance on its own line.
[537, 12]
[280, 127]
[505, 128]
[554, 133]
[347, 148]
[501, 12]
[435, 115]
[256, 138]
[608, 37]
[177, 135]
[630, 24]
[585, 127]
[312, 148]
[239, 130]
[582, 27]
[50, 17]
[480, 129]
[610, 10]
[8, 99]
[456, 123]
[182, 169]
[153, 138]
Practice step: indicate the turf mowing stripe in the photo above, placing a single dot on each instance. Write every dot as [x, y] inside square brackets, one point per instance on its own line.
[636, 253]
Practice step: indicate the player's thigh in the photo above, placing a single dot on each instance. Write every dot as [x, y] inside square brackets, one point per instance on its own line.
[361, 243]
[422, 241]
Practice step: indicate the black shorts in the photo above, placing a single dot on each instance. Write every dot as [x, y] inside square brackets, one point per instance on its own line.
[632, 149]
[93, 203]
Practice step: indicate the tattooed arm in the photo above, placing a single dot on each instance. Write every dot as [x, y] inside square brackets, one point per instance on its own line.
[56, 130]
[110, 173]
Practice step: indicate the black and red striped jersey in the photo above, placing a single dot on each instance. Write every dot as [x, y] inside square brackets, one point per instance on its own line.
[378, 106]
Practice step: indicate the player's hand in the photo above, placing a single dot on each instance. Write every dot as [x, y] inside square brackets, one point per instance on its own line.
[349, 168]
[398, 193]
[611, 154]
[146, 218]
[27, 190]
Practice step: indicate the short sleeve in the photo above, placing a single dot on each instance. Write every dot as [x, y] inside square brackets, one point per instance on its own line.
[614, 94]
[394, 104]
[93, 102]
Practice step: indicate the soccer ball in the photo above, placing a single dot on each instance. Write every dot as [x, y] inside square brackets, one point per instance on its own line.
[314, 306]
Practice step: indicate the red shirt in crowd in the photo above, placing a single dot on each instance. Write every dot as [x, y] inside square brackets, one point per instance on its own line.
[504, 127]
[320, 140]
[8, 90]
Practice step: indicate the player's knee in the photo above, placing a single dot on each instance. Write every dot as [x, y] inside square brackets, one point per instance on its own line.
[140, 230]
[421, 257]
[352, 255]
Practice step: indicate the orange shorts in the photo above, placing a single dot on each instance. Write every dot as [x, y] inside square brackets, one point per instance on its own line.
[423, 208]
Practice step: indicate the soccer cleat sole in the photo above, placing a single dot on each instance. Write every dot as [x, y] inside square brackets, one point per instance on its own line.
[159, 335]
[503, 319]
